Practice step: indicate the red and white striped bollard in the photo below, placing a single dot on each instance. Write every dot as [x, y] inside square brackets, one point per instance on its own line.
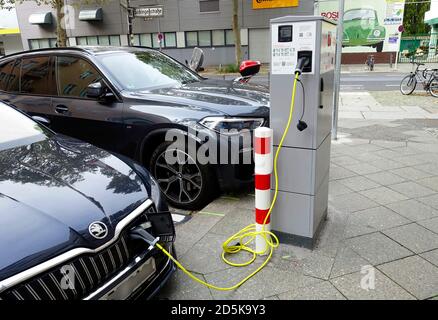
[263, 165]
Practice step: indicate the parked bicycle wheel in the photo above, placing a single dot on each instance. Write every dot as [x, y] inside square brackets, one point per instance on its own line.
[408, 84]
[433, 88]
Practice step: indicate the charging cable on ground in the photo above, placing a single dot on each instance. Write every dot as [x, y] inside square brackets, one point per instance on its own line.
[245, 236]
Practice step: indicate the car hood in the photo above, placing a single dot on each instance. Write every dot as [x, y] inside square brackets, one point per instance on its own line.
[51, 191]
[211, 96]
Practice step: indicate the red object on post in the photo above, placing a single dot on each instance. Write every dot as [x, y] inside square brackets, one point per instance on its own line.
[249, 68]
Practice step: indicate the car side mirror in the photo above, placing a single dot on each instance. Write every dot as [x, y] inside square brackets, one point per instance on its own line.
[96, 90]
[100, 91]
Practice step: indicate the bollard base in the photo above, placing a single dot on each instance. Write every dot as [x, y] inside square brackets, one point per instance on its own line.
[301, 241]
[260, 242]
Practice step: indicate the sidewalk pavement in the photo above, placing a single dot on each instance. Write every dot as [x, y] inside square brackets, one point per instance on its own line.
[383, 212]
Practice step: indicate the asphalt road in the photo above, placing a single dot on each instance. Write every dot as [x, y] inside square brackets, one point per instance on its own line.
[379, 81]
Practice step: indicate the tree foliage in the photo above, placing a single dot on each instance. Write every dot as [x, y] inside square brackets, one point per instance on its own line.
[413, 20]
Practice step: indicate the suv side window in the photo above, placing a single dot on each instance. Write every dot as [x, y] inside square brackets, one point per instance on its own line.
[35, 74]
[74, 75]
[10, 76]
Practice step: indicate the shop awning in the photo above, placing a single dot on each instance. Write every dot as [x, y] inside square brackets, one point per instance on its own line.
[41, 18]
[9, 30]
[91, 15]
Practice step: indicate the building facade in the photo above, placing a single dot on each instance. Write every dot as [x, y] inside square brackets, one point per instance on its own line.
[10, 40]
[185, 24]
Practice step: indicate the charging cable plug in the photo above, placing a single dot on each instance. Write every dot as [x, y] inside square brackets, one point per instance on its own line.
[301, 63]
[139, 233]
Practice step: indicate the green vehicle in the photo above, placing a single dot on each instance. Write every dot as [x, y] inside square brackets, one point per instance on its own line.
[361, 28]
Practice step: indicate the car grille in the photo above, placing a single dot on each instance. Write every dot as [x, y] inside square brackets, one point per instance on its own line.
[91, 271]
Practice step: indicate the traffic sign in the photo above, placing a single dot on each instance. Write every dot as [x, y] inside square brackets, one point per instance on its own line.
[149, 12]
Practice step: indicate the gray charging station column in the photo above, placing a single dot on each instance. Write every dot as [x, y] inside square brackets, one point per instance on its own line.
[304, 160]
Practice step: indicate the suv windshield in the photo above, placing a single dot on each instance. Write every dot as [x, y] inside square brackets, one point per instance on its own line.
[17, 130]
[359, 14]
[146, 70]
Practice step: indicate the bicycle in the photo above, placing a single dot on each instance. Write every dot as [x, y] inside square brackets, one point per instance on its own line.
[427, 77]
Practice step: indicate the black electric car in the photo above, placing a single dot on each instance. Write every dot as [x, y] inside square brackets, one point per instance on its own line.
[126, 99]
[68, 213]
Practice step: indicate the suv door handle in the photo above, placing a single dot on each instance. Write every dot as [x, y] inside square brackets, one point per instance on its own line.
[60, 108]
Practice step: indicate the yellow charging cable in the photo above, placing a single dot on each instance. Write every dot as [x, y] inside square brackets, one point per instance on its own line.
[245, 236]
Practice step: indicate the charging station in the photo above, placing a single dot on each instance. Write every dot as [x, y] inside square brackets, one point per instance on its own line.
[304, 160]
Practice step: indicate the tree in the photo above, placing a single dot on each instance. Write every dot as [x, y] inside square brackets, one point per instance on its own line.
[413, 20]
[236, 30]
[58, 6]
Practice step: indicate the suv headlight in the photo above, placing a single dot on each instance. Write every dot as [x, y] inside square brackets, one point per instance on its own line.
[229, 126]
[376, 33]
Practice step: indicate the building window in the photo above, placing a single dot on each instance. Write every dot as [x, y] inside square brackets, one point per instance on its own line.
[204, 38]
[151, 40]
[209, 38]
[191, 38]
[170, 39]
[229, 37]
[218, 37]
[98, 41]
[42, 43]
[208, 5]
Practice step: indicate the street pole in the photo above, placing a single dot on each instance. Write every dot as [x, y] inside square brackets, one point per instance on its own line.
[337, 84]
[130, 12]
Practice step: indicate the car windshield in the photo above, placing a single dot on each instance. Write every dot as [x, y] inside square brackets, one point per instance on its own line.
[359, 14]
[146, 69]
[17, 130]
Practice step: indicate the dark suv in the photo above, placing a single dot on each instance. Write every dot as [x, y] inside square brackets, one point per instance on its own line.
[126, 99]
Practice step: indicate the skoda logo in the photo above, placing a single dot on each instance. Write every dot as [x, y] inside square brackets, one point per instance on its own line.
[98, 230]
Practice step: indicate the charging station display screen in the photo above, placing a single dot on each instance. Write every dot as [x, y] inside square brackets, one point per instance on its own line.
[285, 34]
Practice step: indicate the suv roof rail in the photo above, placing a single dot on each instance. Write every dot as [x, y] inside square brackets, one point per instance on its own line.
[81, 49]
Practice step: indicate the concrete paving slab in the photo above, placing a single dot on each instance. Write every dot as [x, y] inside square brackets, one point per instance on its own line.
[377, 248]
[352, 202]
[205, 256]
[372, 220]
[411, 173]
[336, 188]
[385, 178]
[232, 223]
[359, 183]
[347, 261]
[431, 224]
[268, 282]
[411, 189]
[415, 274]
[344, 160]
[189, 233]
[384, 288]
[431, 200]
[337, 172]
[431, 256]
[319, 291]
[181, 287]
[383, 195]
[413, 210]
[414, 237]
[431, 182]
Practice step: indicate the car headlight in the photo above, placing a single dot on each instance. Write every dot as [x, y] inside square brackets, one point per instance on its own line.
[225, 125]
[376, 33]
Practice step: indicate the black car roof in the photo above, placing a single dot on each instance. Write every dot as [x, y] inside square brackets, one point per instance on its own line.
[92, 50]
